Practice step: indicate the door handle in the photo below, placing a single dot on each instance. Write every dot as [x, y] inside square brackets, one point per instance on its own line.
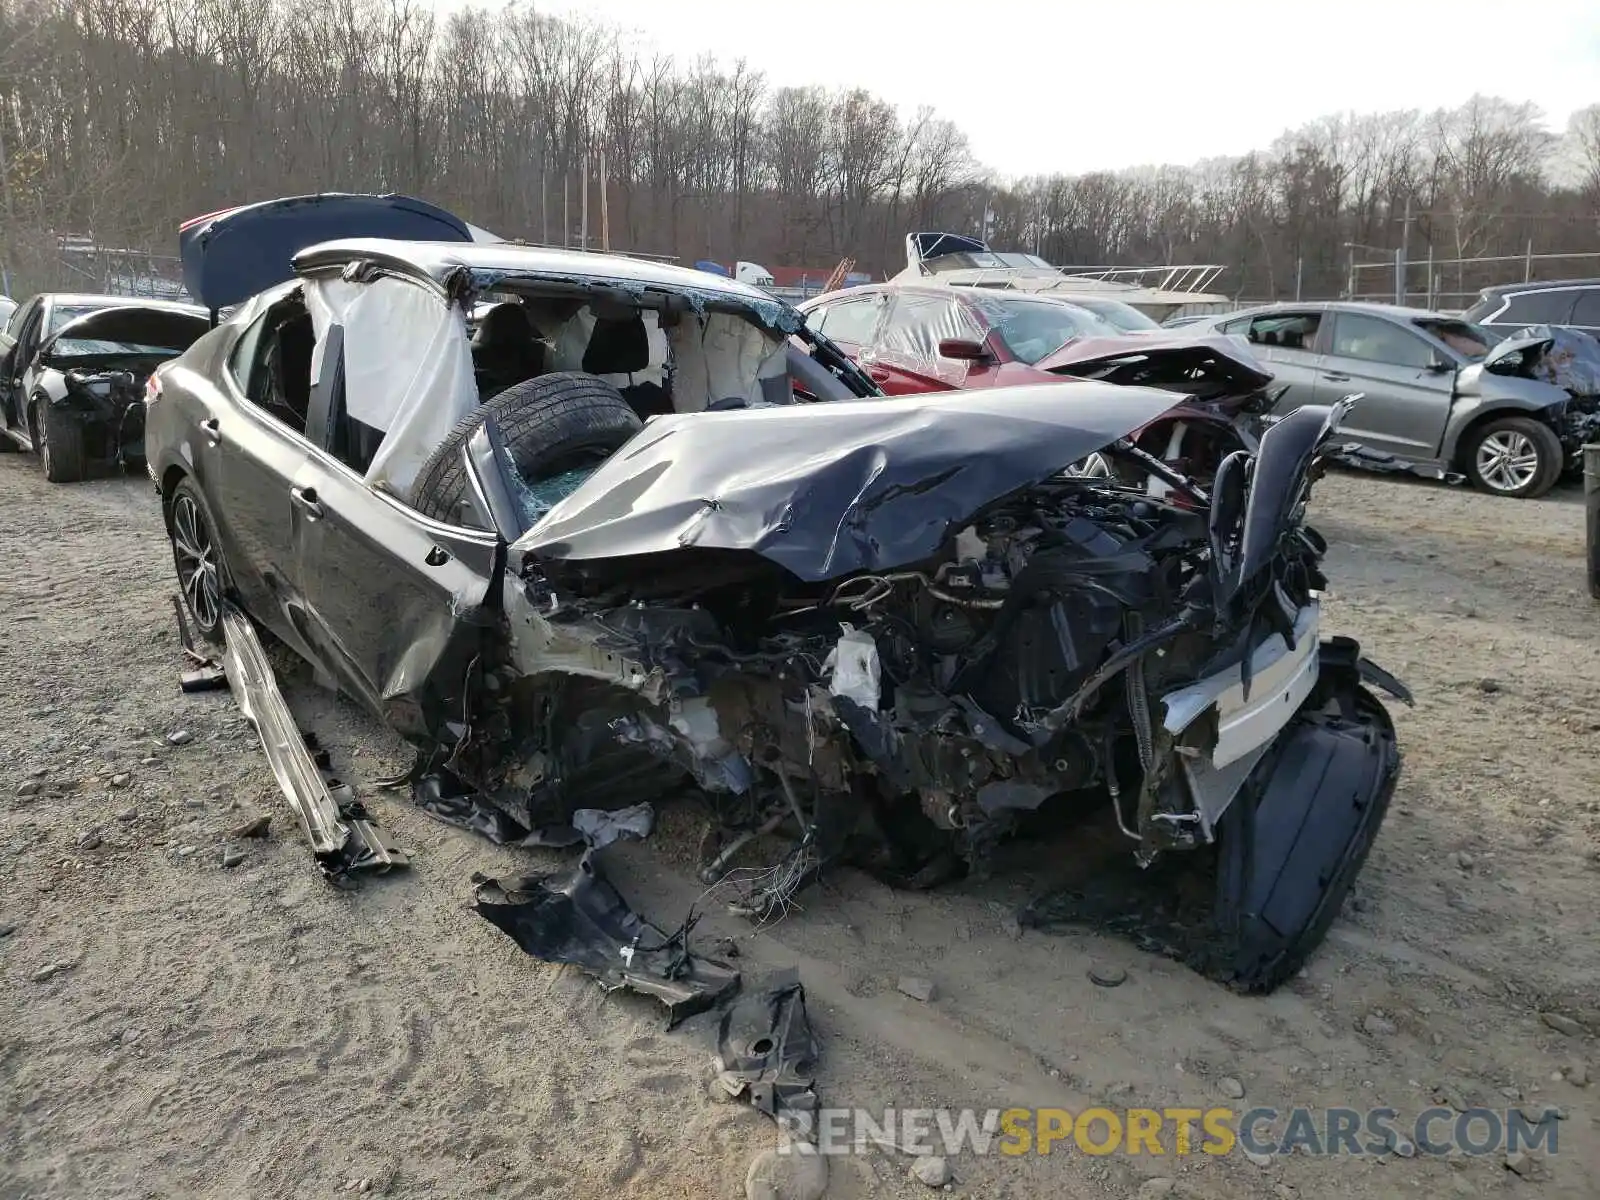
[212, 428]
[1336, 376]
[305, 499]
[878, 373]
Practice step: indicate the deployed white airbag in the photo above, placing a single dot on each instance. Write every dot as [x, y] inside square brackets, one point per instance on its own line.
[407, 367]
[719, 357]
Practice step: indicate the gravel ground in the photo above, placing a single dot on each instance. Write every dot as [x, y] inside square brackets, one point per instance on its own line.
[177, 1027]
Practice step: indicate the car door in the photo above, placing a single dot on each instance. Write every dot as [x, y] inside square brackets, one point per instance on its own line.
[246, 456]
[1405, 381]
[13, 402]
[1288, 339]
[393, 602]
[849, 322]
[904, 358]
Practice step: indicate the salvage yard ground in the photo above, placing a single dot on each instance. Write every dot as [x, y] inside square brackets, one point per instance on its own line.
[172, 1026]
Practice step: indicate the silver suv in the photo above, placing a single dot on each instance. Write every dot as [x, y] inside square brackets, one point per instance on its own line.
[1429, 398]
[1574, 303]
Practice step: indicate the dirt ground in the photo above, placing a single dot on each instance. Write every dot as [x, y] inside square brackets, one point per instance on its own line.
[254, 1032]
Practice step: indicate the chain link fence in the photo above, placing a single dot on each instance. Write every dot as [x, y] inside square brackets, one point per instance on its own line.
[79, 264]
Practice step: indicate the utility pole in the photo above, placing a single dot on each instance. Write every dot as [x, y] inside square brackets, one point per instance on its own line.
[605, 208]
[1400, 256]
[544, 199]
[583, 208]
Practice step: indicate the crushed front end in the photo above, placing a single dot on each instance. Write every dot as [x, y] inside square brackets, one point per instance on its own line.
[109, 406]
[1152, 650]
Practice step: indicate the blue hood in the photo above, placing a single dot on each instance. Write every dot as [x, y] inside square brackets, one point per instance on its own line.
[231, 255]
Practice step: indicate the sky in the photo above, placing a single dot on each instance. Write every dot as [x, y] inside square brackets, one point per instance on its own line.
[1075, 86]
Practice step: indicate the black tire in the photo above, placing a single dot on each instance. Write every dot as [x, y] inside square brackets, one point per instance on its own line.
[1511, 433]
[192, 531]
[550, 424]
[59, 440]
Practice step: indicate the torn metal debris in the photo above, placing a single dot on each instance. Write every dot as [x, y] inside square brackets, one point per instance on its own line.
[580, 919]
[343, 837]
[767, 1051]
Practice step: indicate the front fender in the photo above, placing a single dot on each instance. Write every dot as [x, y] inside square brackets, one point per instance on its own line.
[52, 385]
[1480, 393]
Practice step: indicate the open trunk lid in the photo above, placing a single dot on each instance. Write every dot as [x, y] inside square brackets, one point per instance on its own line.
[231, 255]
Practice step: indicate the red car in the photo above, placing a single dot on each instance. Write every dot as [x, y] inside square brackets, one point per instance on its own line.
[914, 338]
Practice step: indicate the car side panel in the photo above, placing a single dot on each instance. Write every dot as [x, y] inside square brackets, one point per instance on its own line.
[1298, 370]
[1404, 408]
[395, 604]
[243, 461]
[18, 376]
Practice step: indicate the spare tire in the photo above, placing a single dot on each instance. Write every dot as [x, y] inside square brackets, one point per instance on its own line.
[550, 424]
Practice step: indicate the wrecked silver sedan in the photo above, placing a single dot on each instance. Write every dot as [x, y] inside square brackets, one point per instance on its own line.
[615, 561]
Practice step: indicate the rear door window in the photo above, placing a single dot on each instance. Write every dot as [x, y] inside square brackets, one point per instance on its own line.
[242, 361]
[848, 321]
[1294, 331]
[1586, 313]
[1538, 308]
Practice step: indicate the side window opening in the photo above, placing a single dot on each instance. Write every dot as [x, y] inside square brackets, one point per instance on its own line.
[1586, 314]
[1538, 308]
[279, 379]
[1285, 331]
[1372, 339]
[849, 321]
[907, 335]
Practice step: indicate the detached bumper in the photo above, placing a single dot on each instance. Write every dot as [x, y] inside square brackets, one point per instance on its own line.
[1300, 829]
[1244, 720]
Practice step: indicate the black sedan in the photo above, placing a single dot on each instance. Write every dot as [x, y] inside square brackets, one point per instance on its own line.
[73, 370]
[587, 551]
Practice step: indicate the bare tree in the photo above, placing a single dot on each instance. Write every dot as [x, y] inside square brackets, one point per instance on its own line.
[118, 118]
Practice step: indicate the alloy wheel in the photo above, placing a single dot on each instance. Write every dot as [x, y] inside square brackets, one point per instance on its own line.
[196, 562]
[1507, 460]
[41, 440]
[1093, 467]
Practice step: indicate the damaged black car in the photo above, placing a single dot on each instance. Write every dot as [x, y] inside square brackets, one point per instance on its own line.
[73, 371]
[592, 553]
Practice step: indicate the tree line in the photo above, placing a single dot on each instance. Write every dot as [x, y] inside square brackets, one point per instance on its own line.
[119, 118]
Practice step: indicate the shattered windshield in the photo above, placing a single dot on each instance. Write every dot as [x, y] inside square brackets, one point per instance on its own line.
[62, 314]
[94, 347]
[1031, 329]
[536, 499]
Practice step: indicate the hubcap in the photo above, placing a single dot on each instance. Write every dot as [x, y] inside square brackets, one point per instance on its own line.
[1507, 460]
[1093, 467]
[41, 439]
[197, 563]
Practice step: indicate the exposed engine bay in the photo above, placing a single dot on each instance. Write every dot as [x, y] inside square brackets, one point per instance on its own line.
[1076, 637]
[111, 405]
